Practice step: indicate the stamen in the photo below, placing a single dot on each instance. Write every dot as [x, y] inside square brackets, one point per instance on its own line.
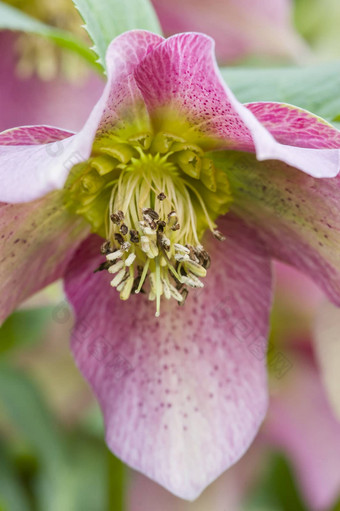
[154, 214]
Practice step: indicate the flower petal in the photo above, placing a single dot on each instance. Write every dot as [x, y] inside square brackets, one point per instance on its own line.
[184, 394]
[301, 423]
[240, 27]
[306, 141]
[180, 81]
[57, 102]
[297, 216]
[227, 493]
[124, 105]
[31, 165]
[36, 242]
[28, 172]
[327, 346]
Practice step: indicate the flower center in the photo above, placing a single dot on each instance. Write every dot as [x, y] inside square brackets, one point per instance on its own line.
[152, 198]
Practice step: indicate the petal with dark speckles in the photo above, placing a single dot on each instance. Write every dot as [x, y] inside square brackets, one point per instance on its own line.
[183, 395]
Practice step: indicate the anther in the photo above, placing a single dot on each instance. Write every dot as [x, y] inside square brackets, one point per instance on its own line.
[161, 196]
[119, 238]
[161, 225]
[124, 229]
[218, 235]
[116, 218]
[151, 212]
[103, 266]
[184, 294]
[134, 236]
[176, 227]
[106, 248]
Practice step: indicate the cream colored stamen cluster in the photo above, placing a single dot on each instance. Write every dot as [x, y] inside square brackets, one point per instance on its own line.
[169, 267]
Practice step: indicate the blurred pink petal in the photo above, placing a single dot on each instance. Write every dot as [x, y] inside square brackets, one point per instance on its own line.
[301, 422]
[33, 101]
[327, 347]
[36, 243]
[241, 28]
[182, 396]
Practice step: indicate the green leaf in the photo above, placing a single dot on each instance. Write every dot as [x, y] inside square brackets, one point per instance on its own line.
[26, 409]
[14, 19]
[278, 490]
[106, 19]
[22, 328]
[12, 495]
[314, 88]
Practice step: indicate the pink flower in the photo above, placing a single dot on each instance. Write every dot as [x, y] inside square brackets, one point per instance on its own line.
[166, 151]
[241, 28]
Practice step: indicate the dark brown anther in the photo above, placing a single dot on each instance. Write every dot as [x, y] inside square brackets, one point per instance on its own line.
[115, 219]
[151, 212]
[193, 255]
[106, 248]
[134, 236]
[161, 196]
[184, 294]
[124, 229]
[176, 227]
[165, 242]
[119, 238]
[104, 266]
[218, 235]
[206, 260]
[161, 224]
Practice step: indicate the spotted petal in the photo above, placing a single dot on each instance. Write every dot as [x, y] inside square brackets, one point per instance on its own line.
[297, 216]
[37, 241]
[180, 81]
[182, 395]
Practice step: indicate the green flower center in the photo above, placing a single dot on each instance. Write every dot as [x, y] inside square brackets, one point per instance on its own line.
[152, 198]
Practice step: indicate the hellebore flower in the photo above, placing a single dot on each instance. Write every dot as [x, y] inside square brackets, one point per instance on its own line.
[165, 152]
[241, 28]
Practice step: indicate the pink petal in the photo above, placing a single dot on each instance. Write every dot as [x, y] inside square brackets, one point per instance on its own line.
[37, 241]
[33, 135]
[297, 216]
[29, 168]
[227, 493]
[28, 101]
[28, 172]
[327, 347]
[301, 423]
[240, 27]
[295, 126]
[180, 76]
[183, 395]
[123, 103]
